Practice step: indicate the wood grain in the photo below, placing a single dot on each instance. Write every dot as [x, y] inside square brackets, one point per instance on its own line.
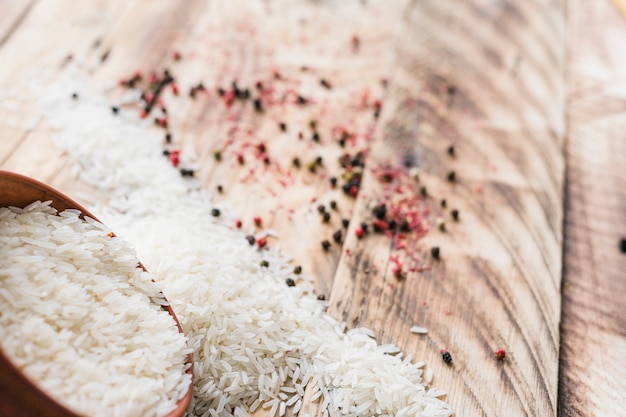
[486, 77]
[593, 328]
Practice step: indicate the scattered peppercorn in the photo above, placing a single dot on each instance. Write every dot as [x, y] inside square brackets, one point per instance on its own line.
[404, 226]
[301, 100]
[321, 209]
[333, 182]
[319, 161]
[168, 137]
[326, 217]
[215, 212]
[251, 239]
[221, 91]
[258, 105]
[423, 191]
[325, 84]
[75, 96]
[622, 245]
[313, 124]
[187, 172]
[451, 150]
[380, 211]
[265, 263]
[290, 282]
[358, 232]
[337, 236]
[261, 242]
[321, 297]
[441, 224]
[445, 355]
[238, 224]
[217, 155]
[115, 109]
[333, 204]
[451, 176]
[297, 270]
[282, 126]
[455, 215]
[392, 224]
[364, 227]
[257, 221]
[435, 252]
[444, 203]
[345, 223]
[500, 354]
[315, 137]
[220, 189]
[296, 162]
[166, 152]
[325, 245]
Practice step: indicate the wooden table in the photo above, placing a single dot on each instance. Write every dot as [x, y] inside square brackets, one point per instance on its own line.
[532, 95]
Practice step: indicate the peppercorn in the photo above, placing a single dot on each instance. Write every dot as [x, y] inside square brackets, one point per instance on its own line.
[342, 142]
[221, 92]
[296, 162]
[622, 245]
[166, 152]
[168, 137]
[265, 263]
[345, 223]
[258, 105]
[115, 109]
[290, 282]
[444, 203]
[325, 244]
[321, 297]
[282, 126]
[500, 354]
[257, 221]
[318, 161]
[261, 242]
[313, 124]
[217, 155]
[297, 270]
[251, 239]
[187, 172]
[380, 211]
[315, 137]
[337, 236]
[455, 214]
[326, 217]
[364, 227]
[333, 182]
[451, 150]
[358, 232]
[404, 225]
[333, 204]
[451, 176]
[301, 100]
[391, 224]
[435, 252]
[325, 84]
[220, 189]
[75, 96]
[215, 212]
[423, 191]
[447, 358]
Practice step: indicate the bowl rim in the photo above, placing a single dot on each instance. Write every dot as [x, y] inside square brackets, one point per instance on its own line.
[15, 383]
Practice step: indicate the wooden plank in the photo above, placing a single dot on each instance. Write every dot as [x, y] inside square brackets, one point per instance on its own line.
[487, 78]
[593, 327]
[12, 14]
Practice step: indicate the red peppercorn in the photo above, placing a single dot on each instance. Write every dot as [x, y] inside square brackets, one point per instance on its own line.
[500, 354]
[176, 55]
[358, 232]
[238, 224]
[257, 220]
[174, 88]
[240, 159]
[261, 242]
[174, 158]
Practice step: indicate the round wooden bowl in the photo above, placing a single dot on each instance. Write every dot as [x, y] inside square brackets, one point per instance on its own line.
[20, 397]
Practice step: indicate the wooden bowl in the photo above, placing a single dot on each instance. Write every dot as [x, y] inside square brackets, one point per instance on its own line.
[20, 397]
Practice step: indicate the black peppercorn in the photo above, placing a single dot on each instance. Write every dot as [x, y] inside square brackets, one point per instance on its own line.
[321, 209]
[217, 155]
[451, 176]
[325, 244]
[115, 109]
[321, 297]
[258, 105]
[296, 162]
[447, 358]
[333, 182]
[215, 212]
[380, 211]
[75, 96]
[404, 226]
[451, 150]
[333, 205]
[435, 252]
[251, 240]
[168, 137]
[622, 245]
[315, 137]
[444, 203]
[265, 263]
[364, 227]
[290, 282]
[345, 223]
[282, 126]
[326, 217]
[297, 270]
[455, 214]
[337, 236]
[423, 191]
[220, 189]
[391, 224]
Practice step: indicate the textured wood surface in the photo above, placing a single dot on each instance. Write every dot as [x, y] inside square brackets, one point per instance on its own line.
[593, 328]
[485, 76]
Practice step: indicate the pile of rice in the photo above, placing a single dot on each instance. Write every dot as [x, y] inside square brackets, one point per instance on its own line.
[82, 320]
[257, 343]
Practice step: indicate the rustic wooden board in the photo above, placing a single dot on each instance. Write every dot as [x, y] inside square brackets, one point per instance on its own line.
[593, 328]
[485, 77]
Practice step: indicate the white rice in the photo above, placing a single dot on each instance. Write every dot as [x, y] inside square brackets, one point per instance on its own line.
[250, 333]
[82, 320]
